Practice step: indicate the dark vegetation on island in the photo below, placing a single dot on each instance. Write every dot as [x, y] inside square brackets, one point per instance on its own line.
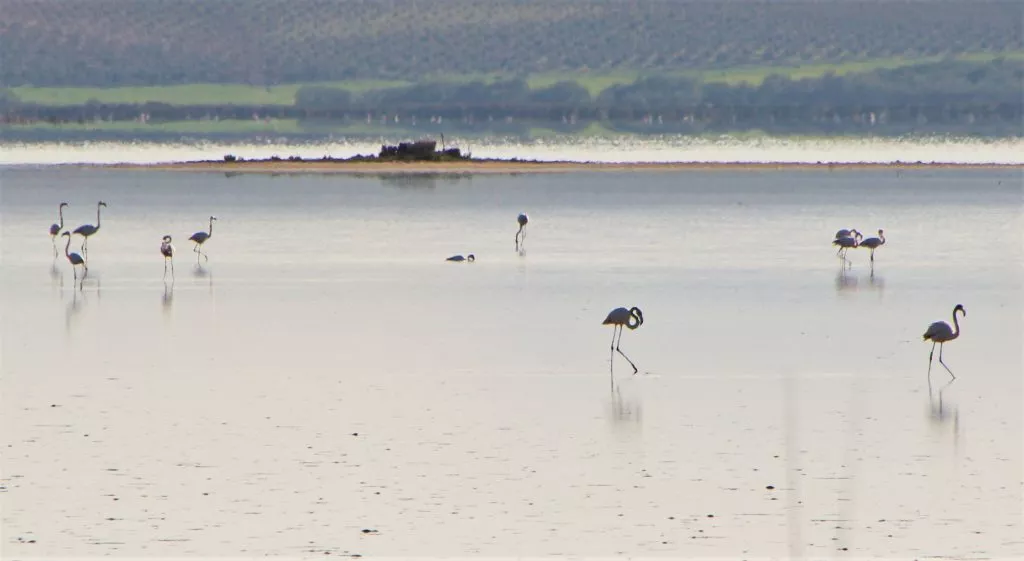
[418, 151]
[470, 64]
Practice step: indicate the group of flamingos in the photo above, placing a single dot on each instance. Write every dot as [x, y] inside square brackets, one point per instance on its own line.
[939, 332]
[87, 230]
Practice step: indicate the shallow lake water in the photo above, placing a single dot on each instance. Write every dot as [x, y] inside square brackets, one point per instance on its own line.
[327, 383]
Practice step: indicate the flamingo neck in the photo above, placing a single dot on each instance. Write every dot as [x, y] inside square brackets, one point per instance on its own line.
[97, 217]
[211, 228]
[956, 326]
[60, 212]
[67, 246]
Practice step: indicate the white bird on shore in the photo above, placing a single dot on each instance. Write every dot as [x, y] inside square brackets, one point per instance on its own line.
[940, 332]
[619, 317]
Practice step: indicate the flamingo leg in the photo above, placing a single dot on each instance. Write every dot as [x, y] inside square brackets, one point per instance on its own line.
[930, 354]
[943, 363]
[624, 354]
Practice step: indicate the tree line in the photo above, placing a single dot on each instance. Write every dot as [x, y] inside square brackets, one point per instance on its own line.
[947, 95]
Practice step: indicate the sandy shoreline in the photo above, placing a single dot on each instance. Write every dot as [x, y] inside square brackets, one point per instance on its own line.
[513, 167]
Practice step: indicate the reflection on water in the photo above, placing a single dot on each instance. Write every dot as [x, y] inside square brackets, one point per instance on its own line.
[202, 272]
[79, 299]
[876, 282]
[942, 414]
[167, 299]
[418, 180]
[625, 407]
[847, 281]
[56, 278]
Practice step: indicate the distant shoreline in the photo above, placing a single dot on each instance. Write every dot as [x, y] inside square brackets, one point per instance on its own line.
[498, 166]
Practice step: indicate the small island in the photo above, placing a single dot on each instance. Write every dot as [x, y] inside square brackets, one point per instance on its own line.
[423, 157]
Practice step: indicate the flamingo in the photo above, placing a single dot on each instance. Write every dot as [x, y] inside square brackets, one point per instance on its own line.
[458, 258]
[56, 228]
[619, 317]
[846, 243]
[873, 243]
[167, 250]
[75, 259]
[200, 238]
[940, 332]
[522, 219]
[87, 230]
[844, 233]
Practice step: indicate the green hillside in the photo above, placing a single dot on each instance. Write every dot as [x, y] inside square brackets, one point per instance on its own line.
[111, 43]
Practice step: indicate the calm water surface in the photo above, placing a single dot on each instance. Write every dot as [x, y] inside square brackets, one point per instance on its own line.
[326, 372]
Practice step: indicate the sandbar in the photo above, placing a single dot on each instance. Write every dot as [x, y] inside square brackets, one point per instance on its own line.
[468, 167]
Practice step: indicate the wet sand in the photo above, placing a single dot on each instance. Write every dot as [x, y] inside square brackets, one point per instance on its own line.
[500, 167]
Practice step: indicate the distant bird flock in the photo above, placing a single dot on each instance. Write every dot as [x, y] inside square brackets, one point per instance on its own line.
[939, 332]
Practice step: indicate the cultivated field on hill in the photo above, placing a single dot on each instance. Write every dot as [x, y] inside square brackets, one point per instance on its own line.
[113, 43]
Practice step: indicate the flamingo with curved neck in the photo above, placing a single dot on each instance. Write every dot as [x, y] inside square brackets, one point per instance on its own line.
[55, 228]
[87, 230]
[941, 333]
[74, 258]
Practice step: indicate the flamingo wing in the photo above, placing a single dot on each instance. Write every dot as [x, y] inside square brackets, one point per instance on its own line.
[938, 331]
[616, 316]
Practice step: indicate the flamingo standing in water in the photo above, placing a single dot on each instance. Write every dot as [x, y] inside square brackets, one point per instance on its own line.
[55, 228]
[200, 238]
[940, 332]
[522, 219]
[87, 230]
[76, 259]
[873, 243]
[619, 317]
[167, 250]
[846, 243]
